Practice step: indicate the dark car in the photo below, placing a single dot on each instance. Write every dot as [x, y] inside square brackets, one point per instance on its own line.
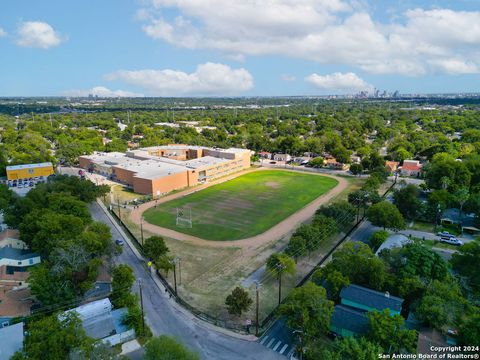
[119, 242]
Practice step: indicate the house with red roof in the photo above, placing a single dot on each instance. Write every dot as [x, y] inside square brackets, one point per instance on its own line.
[411, 168]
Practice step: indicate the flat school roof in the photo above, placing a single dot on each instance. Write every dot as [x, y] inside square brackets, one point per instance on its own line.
[29, 166]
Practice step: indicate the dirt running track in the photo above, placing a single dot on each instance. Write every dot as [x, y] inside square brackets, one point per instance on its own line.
[281, 229]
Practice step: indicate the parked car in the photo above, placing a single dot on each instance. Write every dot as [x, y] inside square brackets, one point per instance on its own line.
[119, 242]
[451, 241]
[445, 234]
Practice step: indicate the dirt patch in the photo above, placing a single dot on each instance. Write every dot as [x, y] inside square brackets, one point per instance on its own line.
[273, 184]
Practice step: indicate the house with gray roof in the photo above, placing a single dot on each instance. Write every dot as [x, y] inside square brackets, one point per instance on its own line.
[101, 322]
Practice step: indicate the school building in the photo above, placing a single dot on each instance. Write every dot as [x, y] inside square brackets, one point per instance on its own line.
[26, 171]
[161, 169]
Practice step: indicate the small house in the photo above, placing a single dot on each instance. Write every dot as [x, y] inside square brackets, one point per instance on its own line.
[282, 157]
[349, 318]
[392, 166]
[411, 168]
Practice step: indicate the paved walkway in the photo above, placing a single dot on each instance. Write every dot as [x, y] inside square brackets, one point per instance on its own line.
[276, 232]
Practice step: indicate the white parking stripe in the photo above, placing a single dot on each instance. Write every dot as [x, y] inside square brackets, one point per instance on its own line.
[284, 348]
[277, 345]
[270, 343]
[263, 340]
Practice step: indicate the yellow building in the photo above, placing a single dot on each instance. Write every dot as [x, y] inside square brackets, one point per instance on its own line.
[27, 171]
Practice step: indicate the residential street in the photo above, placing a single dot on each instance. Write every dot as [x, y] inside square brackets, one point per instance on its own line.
[163, 315]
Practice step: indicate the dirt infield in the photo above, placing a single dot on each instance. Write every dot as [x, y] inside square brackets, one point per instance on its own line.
[276, 232]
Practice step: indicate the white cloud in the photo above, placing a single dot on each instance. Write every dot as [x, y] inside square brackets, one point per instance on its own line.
[455, 66]
[207, 79]
[339, 82]
[3, 33]
[101, 91]
[324, 31]
[37, 34]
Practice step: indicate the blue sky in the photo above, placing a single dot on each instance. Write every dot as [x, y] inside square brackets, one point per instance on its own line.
[235, 47]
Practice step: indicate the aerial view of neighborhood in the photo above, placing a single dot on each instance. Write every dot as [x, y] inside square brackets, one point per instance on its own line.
[239, 180]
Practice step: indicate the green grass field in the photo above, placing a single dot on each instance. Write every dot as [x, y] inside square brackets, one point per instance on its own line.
[245, 206]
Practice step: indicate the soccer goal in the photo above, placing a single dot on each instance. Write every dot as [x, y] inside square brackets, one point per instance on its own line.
[184, 217]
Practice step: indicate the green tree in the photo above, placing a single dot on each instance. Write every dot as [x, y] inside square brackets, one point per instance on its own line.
[316, 162]
[297, 247]
[461, 196]
[356, 169]
[167, 348]
[238, 301]
[442, 304]
[122, 282]
[308, 310]
[48, 288]
[386, 215]
[341, 211]
[51, 339]
[155, 247]
[6, 197]
[369, 270]
[345, 349]
[377, 239]
[444, 172]
[311, 235]
[466, 261]
[279, 264]
[388, 332]
[407, 202]
[332, 280]
[469, 331]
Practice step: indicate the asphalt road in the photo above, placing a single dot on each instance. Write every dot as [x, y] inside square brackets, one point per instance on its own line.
[163, 316]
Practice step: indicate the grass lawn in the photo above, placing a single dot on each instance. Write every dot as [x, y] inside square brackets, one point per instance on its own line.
[245, 206]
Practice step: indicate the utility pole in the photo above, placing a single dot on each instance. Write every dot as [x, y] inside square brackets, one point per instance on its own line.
[179, 271]
[174, 262]
[141, 304]
[280, 283]
[257, 285]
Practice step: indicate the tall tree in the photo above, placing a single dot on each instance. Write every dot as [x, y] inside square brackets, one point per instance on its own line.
[466, 261]
[386, 215]
[122, 282]
[388, 331]
[407, 202]
[238, 301]
[345, 349]
[53, 339]
[308, 310]
[155, 247]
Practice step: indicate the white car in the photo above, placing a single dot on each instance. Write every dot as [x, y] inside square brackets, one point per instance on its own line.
[445, 234]
[451, 241]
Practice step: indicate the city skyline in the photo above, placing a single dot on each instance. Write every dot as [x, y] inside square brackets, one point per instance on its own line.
[288, 48]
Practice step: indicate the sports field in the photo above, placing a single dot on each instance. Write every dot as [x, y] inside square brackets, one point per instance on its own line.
[243, 207]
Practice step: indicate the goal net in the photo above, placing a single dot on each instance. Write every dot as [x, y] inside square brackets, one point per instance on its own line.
[184, 217]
